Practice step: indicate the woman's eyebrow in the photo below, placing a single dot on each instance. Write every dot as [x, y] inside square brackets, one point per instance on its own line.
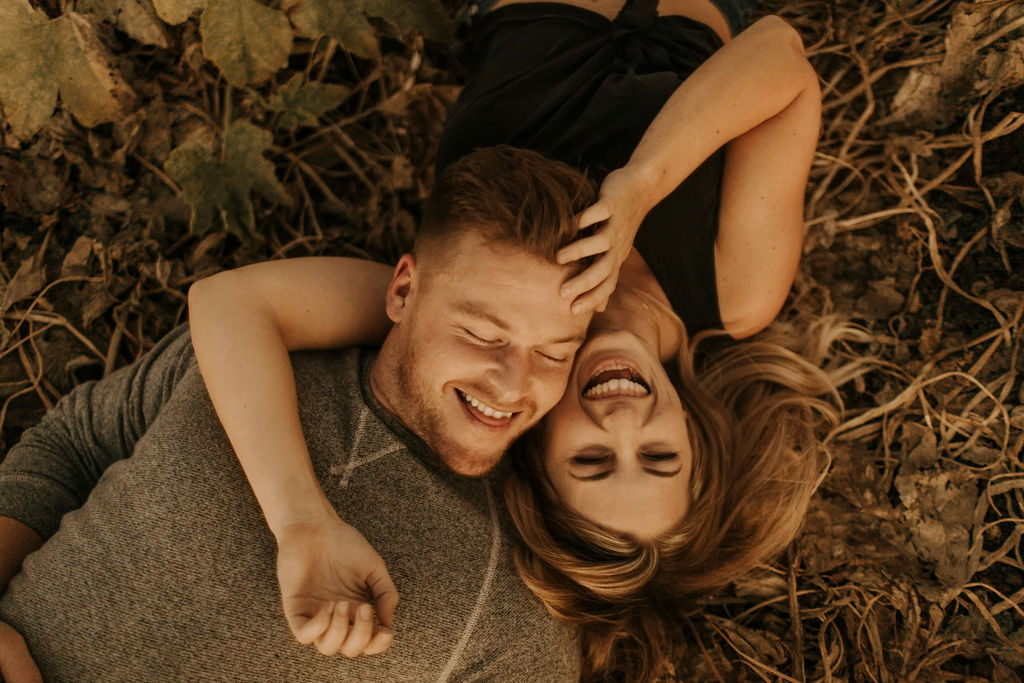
[663, 473]
[591, 477]
[607, 473]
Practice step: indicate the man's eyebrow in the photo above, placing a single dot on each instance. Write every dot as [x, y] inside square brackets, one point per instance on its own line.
[477, 311]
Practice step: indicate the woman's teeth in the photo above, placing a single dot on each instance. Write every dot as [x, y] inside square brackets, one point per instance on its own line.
[619, 387]
[616, 380]
[484, 408]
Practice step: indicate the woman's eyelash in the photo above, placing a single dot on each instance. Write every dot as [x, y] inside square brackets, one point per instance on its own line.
[589, 459]
[660, 457]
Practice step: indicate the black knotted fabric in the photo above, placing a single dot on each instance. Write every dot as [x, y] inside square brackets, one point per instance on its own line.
[582, 89]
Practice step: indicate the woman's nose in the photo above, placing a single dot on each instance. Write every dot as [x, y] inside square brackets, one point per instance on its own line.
[622, 414]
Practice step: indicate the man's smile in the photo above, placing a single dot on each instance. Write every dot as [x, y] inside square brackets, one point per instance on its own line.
[483, 413]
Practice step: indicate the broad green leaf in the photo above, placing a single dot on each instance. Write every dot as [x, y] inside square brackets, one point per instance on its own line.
[346, 20]
[137, 18]
[90, 86]
[301, 104]
[425, 16]
[248, 41]
[177, 11]
[28, 79]
[221, 190]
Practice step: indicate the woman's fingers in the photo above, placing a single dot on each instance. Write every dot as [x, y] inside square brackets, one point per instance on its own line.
[597, 243]
[596, 299]
[334, 635]
[307, 631]
[380, 642]
[359, 633]
[386, 596]
[591, 277]
[595, 213]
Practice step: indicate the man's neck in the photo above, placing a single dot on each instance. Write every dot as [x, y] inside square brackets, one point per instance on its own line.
[384, 378]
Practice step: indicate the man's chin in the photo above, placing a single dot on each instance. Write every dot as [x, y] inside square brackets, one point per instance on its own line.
[470, 464]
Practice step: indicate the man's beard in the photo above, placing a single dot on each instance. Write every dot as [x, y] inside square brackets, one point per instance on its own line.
[424, 418]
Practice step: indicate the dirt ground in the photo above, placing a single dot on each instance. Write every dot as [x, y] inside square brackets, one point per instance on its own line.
[909, 566]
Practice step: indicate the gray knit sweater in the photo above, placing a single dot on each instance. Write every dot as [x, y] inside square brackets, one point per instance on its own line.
[163, 569]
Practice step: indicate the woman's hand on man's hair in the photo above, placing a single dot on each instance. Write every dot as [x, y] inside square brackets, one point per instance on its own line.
[614, 218]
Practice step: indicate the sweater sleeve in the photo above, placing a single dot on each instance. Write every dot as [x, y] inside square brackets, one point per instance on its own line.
[56, 464]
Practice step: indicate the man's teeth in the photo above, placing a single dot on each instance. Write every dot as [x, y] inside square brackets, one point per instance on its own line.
[484, 408]
[622, 387]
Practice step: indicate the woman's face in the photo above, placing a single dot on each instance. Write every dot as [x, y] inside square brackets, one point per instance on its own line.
[617, 449]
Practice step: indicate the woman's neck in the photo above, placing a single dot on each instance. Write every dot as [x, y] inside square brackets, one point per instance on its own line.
[640, 305]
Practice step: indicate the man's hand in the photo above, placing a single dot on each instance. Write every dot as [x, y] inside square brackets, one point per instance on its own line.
[621, 206]
[16, 665]
[330, 576]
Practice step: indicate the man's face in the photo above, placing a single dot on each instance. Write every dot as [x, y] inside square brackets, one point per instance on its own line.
[483, 347]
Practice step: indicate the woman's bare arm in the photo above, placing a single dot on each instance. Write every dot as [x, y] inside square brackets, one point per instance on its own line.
[244, 322]
[759, 96]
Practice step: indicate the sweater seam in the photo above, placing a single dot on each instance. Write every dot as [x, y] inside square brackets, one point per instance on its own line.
[485, 589]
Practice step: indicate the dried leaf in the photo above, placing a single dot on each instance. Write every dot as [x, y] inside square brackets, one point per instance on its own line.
[248, 41]
[932, 93]
[90, 86]
[347, 21]
[301, 104]
[28, 78]
[29, 279]
[215, 188]
[137, 18]
[78, 256]
[177, 11]
[881, 300]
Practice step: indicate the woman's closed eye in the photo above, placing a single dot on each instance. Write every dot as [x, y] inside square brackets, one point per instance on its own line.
[660, 457]
[595, 459]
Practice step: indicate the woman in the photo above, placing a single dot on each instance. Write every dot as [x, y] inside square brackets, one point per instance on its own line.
[645, 487]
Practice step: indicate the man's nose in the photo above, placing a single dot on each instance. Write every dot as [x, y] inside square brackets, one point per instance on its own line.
[511, 377]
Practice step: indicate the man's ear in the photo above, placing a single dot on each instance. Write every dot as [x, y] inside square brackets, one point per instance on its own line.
[403, 283]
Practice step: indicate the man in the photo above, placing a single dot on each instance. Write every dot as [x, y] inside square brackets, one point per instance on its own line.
[167, 570]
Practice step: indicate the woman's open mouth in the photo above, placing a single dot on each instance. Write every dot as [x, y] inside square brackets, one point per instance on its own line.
[614, 380]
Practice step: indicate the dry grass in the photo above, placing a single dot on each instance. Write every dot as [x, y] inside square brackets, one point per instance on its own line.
[910, 565]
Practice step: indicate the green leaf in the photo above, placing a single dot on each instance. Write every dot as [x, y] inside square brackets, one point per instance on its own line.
[177, 11]
[346, 20]
[137, 18]
[28, 80]
[301, 104]
[425, 16]
[248, 41]
[221, 190]
[39, 58]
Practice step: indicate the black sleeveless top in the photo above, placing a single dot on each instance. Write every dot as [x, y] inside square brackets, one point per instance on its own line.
[582, 89]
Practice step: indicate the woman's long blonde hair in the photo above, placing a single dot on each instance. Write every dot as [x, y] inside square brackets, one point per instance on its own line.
[758, 411]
